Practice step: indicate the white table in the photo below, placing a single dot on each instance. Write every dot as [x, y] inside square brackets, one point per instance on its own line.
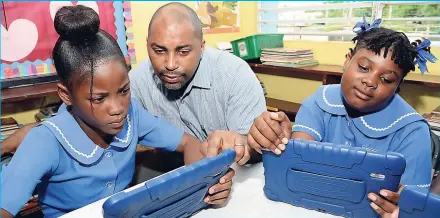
[247, 200]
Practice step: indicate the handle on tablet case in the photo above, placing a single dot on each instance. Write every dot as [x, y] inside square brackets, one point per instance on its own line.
[418, 202]
[335, 155]
[343, 156]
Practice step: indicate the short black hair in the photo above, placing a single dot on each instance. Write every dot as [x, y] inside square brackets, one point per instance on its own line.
[404, 53]
[82, 45]
[180, 13]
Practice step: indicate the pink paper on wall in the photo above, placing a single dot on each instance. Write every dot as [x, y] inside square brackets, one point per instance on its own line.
[28, 33]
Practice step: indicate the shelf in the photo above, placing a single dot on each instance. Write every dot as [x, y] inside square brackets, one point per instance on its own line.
[332, 73]
[289, 108]
[28, 92]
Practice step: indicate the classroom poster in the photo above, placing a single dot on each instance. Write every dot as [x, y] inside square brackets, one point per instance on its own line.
[219, 17]
[28, 35]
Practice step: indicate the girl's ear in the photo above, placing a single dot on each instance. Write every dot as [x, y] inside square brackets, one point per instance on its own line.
[64, 94]
[348, 58]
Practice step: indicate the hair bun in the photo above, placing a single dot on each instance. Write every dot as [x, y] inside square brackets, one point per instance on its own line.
[76, 22]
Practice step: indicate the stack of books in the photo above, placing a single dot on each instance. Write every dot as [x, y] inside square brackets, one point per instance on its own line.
[46, 113]
[286, 57]
[433, 119]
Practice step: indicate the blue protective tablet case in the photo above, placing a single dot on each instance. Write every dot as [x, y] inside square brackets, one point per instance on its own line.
[178, 193]
[330, 178]
[418, 202]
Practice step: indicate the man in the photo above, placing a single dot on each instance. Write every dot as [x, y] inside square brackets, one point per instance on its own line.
[211, 94]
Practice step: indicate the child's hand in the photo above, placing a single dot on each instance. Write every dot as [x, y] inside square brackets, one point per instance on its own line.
[221, 140]
[219, 193]
[387, 208]
[270, 131]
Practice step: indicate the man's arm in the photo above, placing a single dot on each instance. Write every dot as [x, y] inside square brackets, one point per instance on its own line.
[10, 144]
[190, 146]
[246, 101]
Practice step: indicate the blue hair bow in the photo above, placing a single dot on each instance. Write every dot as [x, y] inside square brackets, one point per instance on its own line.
[424, 56]
[361, 27]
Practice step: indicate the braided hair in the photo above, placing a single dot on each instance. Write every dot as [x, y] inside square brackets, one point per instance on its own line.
[403, 52]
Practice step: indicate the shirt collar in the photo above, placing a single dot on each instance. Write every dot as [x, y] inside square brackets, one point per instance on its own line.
[202, 77]
[75, 141]
[391, 118]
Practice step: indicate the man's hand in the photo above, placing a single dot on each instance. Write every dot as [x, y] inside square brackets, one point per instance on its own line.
[219, 193]
[221, 140]
[387, 208]
[270, 131]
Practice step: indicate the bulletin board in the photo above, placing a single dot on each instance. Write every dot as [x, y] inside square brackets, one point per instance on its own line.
[28, 35]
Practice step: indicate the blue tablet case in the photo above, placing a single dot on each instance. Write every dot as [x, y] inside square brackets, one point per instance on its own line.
[330, 178]
[178, 193]
[418, 202]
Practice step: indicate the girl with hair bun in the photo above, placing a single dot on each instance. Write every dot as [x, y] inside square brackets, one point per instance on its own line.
[87, 151]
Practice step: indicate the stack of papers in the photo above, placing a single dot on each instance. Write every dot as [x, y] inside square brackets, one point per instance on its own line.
[286, 57]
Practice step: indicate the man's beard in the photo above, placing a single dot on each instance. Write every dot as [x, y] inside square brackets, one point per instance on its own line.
[173, 87]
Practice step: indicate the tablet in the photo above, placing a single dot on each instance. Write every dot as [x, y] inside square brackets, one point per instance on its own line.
[418, 202]
[329, 178]
[178, 193]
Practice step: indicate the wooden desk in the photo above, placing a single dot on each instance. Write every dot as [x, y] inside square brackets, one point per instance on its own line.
[331, 74]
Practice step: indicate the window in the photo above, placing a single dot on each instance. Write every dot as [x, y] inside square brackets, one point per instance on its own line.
[333, 21]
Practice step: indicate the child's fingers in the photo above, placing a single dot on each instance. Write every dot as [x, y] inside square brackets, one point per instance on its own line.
[276, 128]
[278, 116]
[262, 141]
[219, 187]
[377, 209]
[286, 125]
[228, 176]
[385, 205]
[266, 127]
[219, 195]
[391, 196]
[395, 213]
[251, 142]
[218, 198]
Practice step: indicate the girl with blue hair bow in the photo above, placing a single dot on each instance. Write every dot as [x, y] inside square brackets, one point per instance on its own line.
[364, 110]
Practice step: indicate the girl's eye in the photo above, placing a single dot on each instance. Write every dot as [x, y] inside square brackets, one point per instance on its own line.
[362, 68]
[386, 80]
[97, 100]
